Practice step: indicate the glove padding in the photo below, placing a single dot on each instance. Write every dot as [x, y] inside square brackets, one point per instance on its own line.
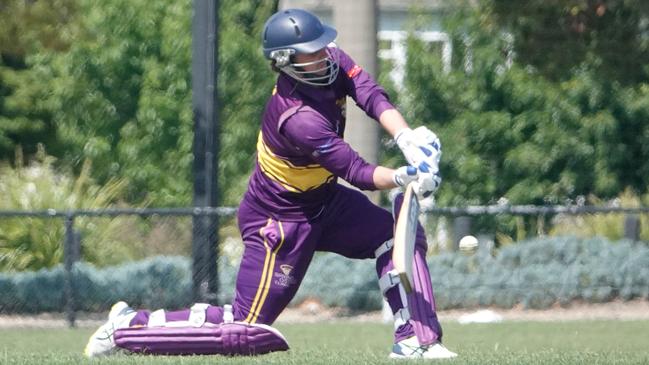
[404, 175]
[426, 184]
[421, 148]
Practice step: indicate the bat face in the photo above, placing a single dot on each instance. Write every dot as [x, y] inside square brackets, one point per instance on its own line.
[404, 238]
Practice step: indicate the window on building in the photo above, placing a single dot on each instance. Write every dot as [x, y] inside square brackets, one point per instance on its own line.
[392, 48]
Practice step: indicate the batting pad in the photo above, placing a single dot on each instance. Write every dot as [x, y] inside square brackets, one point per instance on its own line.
[230, 339]
[421, 303]
[418, 305]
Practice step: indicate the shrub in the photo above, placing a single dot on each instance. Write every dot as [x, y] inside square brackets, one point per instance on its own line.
[541, 275]
[32, 243]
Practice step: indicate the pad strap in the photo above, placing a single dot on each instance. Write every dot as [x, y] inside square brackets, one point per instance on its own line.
[197, 314]
[401, 317]
[197, 317]
[384, 248]
[228, 316]
[389, 280]
[157, 319]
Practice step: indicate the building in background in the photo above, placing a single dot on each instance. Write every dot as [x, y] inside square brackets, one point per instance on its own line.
[392, 21]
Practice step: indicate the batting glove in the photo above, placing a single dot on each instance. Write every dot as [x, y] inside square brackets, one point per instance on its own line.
[421, 148]
[404, 175]
[427, 184]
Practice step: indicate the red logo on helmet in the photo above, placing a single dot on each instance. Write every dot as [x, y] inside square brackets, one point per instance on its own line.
[354, 71]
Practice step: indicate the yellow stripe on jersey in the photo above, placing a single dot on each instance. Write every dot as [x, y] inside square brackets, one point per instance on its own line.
[293, 178]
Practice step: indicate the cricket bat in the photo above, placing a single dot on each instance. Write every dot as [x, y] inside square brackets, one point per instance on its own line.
[403, 253]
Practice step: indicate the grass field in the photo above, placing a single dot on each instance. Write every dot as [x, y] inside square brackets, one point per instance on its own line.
[578, 342]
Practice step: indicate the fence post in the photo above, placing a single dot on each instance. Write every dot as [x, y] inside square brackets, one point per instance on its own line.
[206, 146]
[632, 227]
[461, 228]
[68, 262]
[204, 258]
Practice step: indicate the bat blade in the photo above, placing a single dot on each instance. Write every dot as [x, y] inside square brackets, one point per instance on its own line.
[405, 233]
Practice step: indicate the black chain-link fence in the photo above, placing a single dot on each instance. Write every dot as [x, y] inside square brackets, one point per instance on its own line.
[60, 258]
[85, 260]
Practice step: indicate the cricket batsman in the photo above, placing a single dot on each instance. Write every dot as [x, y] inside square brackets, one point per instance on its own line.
[294, 206]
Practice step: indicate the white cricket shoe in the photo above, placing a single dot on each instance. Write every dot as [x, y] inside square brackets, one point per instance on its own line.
[410, 349]
[102, 342]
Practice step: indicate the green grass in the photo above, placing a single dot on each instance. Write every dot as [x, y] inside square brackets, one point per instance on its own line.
[582, 342]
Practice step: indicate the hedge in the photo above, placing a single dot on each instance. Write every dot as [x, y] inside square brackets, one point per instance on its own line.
[535, 274]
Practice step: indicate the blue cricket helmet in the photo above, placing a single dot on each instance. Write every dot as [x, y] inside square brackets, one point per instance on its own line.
[296, 31]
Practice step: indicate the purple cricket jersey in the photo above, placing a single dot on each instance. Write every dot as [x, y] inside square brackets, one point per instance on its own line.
[300, 149]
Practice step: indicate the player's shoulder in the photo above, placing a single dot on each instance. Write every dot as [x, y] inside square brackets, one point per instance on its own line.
[347, 65]
[305, 115]
[303, 120]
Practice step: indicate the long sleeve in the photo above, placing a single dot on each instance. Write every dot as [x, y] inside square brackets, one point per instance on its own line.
[313, 135]
[367, 94]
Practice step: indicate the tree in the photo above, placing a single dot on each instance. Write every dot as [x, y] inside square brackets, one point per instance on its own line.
[245, 83]
[558, 36]
[29, 26]
[513, 131]
[120, 94]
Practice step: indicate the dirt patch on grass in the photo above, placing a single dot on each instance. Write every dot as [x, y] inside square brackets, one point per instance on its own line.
[632, 310]
[618, 310]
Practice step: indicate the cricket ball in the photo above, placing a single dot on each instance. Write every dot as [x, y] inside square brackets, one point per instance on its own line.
[468, 243]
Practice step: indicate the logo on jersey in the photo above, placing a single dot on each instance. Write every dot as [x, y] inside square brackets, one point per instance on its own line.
[286, 269]
[354, 71]
[284, 277]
